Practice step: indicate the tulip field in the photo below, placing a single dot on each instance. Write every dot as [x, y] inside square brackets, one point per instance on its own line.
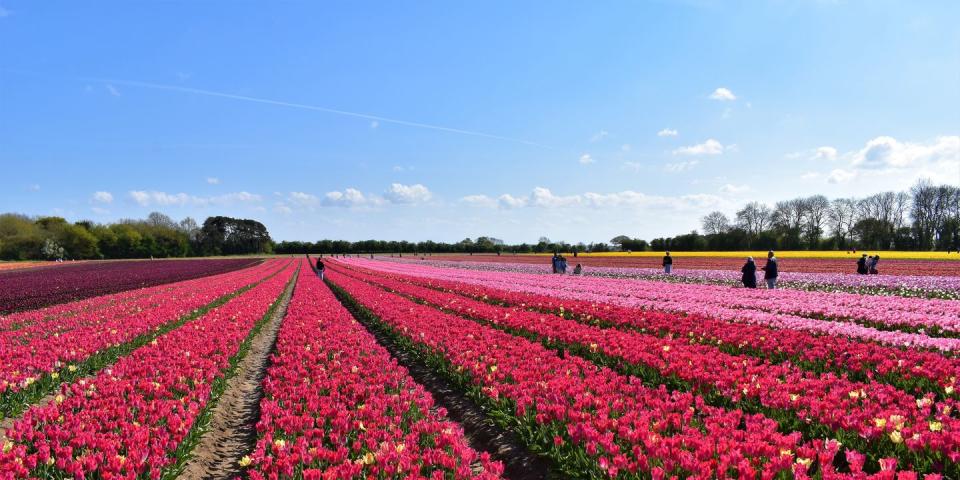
[621, 372]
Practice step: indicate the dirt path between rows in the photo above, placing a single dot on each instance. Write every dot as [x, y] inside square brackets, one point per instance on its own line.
[232, 430]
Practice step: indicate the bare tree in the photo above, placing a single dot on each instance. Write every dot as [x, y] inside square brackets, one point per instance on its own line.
[754, 217]
[841, 215]
[715, 222]
[817, 208]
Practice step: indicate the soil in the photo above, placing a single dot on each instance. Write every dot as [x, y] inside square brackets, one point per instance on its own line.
[232, 430]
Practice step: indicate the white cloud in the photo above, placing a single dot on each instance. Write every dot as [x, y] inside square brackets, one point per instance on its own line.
[887, 152]
[731, 189]
[303, 199]
[374, 124]
[709, 147]
[509, 201]
[113, 90]
[282, 208]
[103, 197]
[810, 176]
[625, 147]
[213, 180]
[154, 198]
[635, 166]
[586, 159]
[599, 136]
[350, 197]
[407, 194]
[668, 132]
[401, 168]
[825, 153]
[839, 175]
[723, 94]
[542, 197]
[683, 166]
[479, 201]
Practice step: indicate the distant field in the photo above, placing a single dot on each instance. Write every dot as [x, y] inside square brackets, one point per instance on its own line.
[890, 264]
[787, 254]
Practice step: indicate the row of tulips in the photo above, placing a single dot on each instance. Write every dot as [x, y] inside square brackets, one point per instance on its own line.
[106, 305]
[336, 405]
[593, 421]
[922, 286]
[34, 288]
[42, 348]
[948, 266]
[910, 314]
[129, 420]
[915, 371]
[849, 411]
[690, 299]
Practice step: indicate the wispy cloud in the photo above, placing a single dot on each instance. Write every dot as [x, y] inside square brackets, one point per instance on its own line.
[34, 187]
[113, 90]
[709, 147]
[163, 199]
[668, 132]
[586, 159]
[246, 98]
[723, 94]
[599, 136]
[542, 197]
[684, 166]
[213, 180]
[374, 124]
[102, 197]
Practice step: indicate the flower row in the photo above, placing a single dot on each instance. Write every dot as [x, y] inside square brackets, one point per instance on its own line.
[336, 405]
[45, 347]
[128, 420]
[894, 311]
[879, 413]
[34, 288]
[593, 421]
[911, 370]
[692, 299]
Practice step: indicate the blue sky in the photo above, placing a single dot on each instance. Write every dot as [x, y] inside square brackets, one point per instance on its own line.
[440, 120]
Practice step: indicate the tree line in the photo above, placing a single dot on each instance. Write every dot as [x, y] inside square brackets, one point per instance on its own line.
[927, 217]
[157, 236]
[465, 246]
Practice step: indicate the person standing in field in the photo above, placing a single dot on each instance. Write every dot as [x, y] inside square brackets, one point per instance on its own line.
[771, 271]
[749, 271]
[563, 264]
[320, 268]
[862, 265]
[555, 261]
[578, 269]
[873, 265]
[667, 263]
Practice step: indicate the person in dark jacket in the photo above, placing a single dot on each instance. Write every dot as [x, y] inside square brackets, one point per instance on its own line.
[862, 265]
[873, 265]
[563, 264]
[555, 261]
[578, 269]
[320, 268]
[667, 263]
[749, 270]
[771, 271]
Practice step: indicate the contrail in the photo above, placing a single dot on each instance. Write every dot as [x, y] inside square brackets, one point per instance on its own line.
[280, 103]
